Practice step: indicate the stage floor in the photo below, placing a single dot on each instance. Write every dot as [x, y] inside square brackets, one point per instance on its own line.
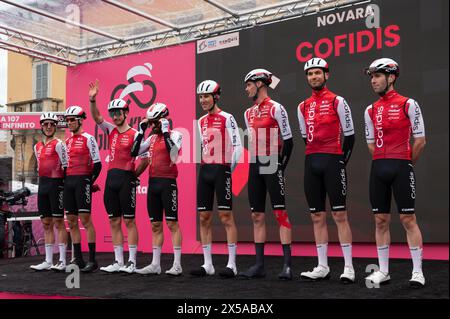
[16, 277]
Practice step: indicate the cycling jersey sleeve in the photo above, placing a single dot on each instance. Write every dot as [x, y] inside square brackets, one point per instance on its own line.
[286, 152]
[61, 149]
[345, 116]
[145, 145]
[200, 132]
[416, 119]
[177, 139]
[370, 132]
[280, 115]
[173, 144]
[35, 152]
[301, 120]
[93, 149]
[233, 133]
[246, 120]
[106, 127]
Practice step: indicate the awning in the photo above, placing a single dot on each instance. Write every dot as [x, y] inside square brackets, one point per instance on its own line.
[70, 32]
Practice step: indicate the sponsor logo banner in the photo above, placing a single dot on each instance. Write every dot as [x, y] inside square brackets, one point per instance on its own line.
[218, 43]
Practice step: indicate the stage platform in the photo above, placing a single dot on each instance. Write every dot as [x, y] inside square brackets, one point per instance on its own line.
[17, 280]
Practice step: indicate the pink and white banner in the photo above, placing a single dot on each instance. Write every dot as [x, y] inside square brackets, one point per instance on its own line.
[24, 121]
[166, 75]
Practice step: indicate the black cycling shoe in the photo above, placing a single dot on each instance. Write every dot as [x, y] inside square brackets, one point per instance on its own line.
[80, 263]
[90, 267]
[227, 273]
[200, 272]
[286, 273]
[255, 271]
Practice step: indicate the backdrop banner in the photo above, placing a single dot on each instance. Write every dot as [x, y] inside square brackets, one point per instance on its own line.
[412, 32]
[166, 76]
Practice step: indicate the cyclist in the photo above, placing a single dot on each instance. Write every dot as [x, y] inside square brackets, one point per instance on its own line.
[163, 146]
[51, 156]
[84, 166]
[389, 124]
[323, 118]
[270, 143]
[221, 149]
[120, 187]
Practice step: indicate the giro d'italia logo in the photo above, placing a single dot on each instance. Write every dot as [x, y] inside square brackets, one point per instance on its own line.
[139, 87]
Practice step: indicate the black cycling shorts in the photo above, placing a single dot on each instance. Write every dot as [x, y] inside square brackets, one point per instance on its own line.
[395, 175]
[77, 194]
[162, 196]
[120, 194]
[261, 179]
[214, 178]
[325, 174]
[50, 197]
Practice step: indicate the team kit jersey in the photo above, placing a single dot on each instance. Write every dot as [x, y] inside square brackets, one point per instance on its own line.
[120, 187]
[390, 121]
[51, 159]
[162, 193]
[268, 126]
[83, 152]
[220, 151]
[324, 118]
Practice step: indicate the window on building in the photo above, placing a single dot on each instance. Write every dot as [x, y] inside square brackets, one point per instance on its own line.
[36, 107]
[41, 80]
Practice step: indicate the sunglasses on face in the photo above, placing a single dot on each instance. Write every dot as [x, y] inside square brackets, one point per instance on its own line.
[48, 124]
[113, 113]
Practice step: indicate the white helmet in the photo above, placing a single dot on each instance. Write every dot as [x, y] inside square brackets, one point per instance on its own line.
[156, 111]
[48, 116]
[316, 63]
[259, 75]
[208, 87]
[75, 111]
[117, 104]
[384, 65]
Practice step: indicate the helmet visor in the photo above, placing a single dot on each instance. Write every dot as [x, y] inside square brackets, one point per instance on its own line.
[370, 71]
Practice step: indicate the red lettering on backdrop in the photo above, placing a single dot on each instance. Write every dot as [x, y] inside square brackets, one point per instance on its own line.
[360, 40]
[338, 44]
[302, 45]
[351, 43]
[379, 38]
[329, 46]
[394, 37]
[351, 39]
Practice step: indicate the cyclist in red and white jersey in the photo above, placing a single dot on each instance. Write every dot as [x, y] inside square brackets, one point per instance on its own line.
[324, 118]
[163, 147]
[84, 166]
[51, 155]
[390, 121]
[220, 149]
[270, 148]
[120, 186]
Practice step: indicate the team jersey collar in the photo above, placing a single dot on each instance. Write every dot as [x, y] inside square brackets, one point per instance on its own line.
[320, 93]
[388, 95]
[46, 142]
[218, 111]
[263, 102]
